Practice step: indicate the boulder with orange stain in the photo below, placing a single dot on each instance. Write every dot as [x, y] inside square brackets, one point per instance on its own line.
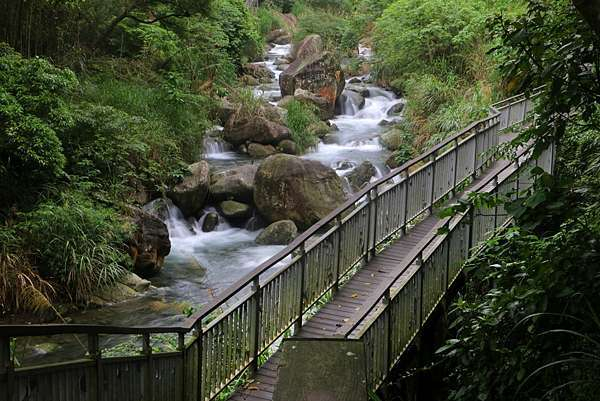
[319, 73]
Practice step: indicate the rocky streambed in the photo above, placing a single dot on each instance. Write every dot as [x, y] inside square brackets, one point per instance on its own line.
[219, 218]
[251, 194]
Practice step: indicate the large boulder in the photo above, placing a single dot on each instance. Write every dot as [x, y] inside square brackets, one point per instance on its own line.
[191, 193]
[234, 184]
[361, 90]
[291, 188]
[324, 107]
[279, 233]
[259, 129]
[395, 109]
[159, 208]
[361, 175]
[288, 146]
[311, 44]
[225, 110]
[318, 73]
[149, 244]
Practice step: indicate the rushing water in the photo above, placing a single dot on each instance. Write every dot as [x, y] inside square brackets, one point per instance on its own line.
[201, 264]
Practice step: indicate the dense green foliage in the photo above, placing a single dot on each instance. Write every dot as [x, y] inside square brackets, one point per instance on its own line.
[434, 53]
[527, 326]
[32, 110]
[333, 24]
[118, 114]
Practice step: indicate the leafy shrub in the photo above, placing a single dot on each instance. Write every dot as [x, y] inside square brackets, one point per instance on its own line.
[240, 27]
[174, 113]
[522, 328]
[76, 243]
[300, 117]
[32, 110]
[267, 19]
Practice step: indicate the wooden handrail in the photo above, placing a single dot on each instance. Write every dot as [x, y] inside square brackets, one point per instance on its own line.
[359, 317]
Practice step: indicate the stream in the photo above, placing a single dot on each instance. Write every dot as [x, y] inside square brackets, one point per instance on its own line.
[201, 264]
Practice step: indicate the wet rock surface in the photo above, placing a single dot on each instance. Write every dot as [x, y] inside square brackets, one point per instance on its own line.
[291, 188]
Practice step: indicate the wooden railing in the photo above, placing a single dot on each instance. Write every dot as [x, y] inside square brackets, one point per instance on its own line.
[227, 336]
[394, 316]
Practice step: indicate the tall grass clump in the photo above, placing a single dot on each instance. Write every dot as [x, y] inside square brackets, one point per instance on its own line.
[76, 244]
[301, 117]
[22, 289]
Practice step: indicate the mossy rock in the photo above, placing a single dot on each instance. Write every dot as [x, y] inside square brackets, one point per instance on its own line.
[292, 188]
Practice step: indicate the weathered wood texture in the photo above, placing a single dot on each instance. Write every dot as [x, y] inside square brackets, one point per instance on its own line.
[289, 292]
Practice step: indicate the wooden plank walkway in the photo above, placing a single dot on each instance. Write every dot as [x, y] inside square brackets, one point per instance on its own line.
[354, 294]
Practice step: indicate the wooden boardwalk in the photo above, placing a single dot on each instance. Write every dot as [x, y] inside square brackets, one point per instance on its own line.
[353, 297]
[380, 300]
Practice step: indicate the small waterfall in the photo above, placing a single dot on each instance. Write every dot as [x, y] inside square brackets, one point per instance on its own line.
[214, 146]
[349, 108]
[176, 223]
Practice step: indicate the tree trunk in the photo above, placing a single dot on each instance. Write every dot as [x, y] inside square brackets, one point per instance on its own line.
[590, 11]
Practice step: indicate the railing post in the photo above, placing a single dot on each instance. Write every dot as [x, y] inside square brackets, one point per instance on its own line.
[455, 167]
[94, 354]
[298, 323]
[471, 228]
[406, 191]
[338, 262]
[373, 194]
[419, 263]
[181, 348]
[474, 173]
[148, 379]
[517, 167]
[508, 108]
[255, 324]
[199, 334]
[147, 352]
[6, 368]
[495, 185]
[366, 252]
[449, 235]
[387, 330]
[432, 196]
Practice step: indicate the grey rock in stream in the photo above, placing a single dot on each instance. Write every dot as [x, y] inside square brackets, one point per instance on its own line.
[210, 222]
[279, 233]
[292, 188]
[318, 73]
[235, 184]
[190, 195]
[235, 211]
[361, 175]
[149, 244]
[258, 129]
